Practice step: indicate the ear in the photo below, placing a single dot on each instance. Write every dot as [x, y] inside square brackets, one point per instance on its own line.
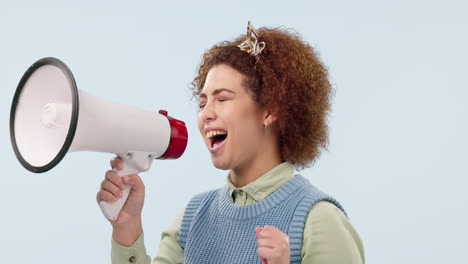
[269, 118]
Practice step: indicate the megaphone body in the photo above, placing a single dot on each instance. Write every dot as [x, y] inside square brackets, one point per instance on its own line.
[50, 117]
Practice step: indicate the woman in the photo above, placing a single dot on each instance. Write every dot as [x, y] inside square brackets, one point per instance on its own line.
[264, 100]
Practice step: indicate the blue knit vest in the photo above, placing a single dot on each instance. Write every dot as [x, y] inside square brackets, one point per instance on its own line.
[215, 230]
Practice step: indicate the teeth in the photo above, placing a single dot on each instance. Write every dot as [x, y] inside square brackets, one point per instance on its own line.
[215, 133]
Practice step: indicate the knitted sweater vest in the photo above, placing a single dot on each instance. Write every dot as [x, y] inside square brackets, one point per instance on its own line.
[215, 230]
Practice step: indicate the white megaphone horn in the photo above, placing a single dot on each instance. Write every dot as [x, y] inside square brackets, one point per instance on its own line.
[50, 116]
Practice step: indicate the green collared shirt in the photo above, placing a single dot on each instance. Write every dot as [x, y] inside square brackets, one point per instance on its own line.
[328, 235]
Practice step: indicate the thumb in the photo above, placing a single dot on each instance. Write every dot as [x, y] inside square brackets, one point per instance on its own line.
[258, 229]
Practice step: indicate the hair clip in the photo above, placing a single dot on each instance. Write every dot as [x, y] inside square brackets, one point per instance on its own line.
[251, 44]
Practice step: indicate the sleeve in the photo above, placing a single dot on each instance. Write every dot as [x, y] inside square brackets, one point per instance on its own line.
[136, 253]
[330, 238]
[170, 251]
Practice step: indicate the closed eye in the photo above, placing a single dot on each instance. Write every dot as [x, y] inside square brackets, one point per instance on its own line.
[201, 102]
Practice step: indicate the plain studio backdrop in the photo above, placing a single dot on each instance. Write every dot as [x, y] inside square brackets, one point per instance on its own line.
[397, 158]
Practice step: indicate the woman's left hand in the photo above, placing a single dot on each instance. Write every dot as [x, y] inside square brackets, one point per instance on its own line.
[273, 245]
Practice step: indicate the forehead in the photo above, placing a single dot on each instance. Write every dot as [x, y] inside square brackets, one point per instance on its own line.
[223, 76]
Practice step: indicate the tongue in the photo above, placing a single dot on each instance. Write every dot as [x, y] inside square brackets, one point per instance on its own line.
[217, 143]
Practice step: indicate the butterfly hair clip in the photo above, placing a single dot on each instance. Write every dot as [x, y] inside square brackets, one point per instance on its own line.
[251, 44]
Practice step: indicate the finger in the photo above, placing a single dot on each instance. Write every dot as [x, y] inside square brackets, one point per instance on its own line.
[258, 229]
[135, 181]
[104, 195]
[114, 177]
[116, 163]
[278, 240]
[270, 232]
[265, 234]
[268, 243]
[268, 253]
[271, 228]
[112, 188]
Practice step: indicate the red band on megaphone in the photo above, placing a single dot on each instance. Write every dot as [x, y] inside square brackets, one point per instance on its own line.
[179, 138]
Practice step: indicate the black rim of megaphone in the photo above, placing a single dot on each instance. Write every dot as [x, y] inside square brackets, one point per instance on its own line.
[74, 118]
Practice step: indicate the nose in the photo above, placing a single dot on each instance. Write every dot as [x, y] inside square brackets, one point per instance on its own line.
[208, 113]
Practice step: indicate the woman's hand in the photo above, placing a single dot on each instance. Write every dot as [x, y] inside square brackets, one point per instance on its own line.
[127, 227]
[273, 245]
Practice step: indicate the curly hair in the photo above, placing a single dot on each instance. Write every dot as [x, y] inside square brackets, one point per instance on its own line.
[288, 78]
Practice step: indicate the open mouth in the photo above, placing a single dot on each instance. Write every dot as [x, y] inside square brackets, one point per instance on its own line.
[217, 138]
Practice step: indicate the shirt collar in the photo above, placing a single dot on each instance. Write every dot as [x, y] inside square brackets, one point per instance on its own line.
[265, 184]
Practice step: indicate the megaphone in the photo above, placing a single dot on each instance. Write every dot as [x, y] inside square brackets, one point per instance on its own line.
[50, 116]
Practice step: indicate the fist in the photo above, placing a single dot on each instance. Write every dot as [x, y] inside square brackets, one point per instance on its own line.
[111, 190]
[273, 245]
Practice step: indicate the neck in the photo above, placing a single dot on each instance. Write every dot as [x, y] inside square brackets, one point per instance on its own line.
[268, 158]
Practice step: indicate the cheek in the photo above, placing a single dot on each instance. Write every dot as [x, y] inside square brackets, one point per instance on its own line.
[248, 125]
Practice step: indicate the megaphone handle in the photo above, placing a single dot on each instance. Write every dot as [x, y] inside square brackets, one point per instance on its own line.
[111, 210]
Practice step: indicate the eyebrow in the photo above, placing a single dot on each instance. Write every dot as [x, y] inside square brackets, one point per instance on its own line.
[217, 91]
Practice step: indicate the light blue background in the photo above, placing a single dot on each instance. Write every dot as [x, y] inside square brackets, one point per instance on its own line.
[398, 147]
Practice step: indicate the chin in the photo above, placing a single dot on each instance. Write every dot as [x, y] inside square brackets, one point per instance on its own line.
[219, 164]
